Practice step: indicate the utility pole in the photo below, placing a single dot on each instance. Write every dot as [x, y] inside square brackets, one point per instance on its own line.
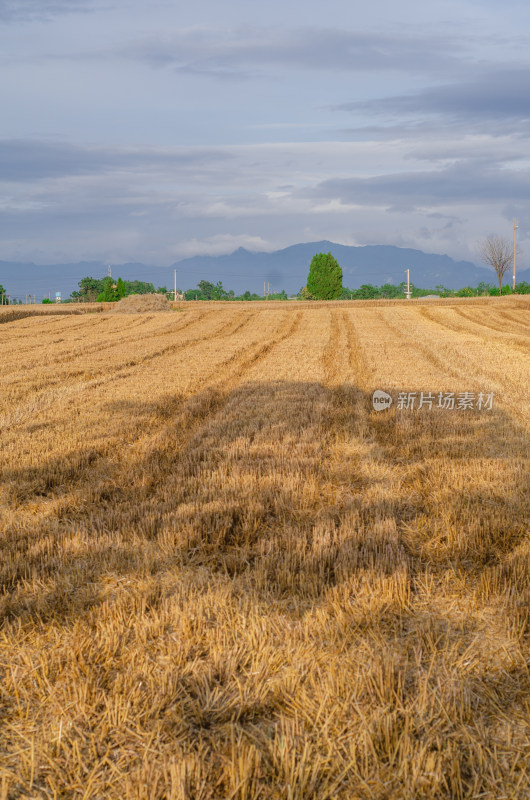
[408, 284]
[515, 226]
[175, 276]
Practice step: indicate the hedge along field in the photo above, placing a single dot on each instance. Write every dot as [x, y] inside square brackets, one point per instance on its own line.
[226, 576]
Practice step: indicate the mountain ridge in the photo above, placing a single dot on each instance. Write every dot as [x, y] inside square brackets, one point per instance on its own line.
[243, 269]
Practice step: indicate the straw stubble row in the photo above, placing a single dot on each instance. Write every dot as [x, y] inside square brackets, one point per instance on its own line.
[227, 576]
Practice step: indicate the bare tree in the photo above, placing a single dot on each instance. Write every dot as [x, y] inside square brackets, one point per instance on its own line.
[497, 251]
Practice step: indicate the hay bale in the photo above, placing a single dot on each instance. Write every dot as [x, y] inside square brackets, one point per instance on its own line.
[142, 304]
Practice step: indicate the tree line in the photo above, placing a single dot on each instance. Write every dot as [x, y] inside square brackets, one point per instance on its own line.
[105, 290]
[324, 282]
[390, 291]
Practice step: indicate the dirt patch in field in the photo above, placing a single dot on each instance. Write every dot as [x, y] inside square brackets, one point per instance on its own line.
[140, 303]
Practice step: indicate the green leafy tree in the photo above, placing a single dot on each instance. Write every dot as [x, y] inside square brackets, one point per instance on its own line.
[120, 289]
[139, 287]
[3, 296]
[108, 295]
[248, 296]
[483, 287]
[389, 291]
[89, 289]
[104, 289]
[367, 292]
[213, 291]
[324, 281]
[207, 290]
[194, 294]
[220, 292]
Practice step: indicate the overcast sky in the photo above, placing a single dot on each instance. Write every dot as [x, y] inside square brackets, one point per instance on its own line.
[150, 132]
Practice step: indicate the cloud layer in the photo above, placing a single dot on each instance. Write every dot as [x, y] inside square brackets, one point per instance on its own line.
[249, 52]
[40, 10]
[145, 134]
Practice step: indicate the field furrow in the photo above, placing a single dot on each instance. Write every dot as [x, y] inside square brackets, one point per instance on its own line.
[225, 575]
[485, 329]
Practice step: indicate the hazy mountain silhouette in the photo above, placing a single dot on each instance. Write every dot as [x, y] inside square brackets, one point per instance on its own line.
[241, 270]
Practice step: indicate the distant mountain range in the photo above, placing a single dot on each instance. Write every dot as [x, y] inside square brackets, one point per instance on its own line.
[241, 270]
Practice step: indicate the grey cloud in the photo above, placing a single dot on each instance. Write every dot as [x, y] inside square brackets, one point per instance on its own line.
[491, 96]
[244, 52]
[461, 183]
[42, 10]
[34, 160]
[139, 203]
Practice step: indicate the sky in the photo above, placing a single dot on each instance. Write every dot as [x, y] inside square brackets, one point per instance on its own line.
[153, 132]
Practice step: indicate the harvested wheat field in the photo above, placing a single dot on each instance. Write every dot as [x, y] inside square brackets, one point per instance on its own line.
[226, 576]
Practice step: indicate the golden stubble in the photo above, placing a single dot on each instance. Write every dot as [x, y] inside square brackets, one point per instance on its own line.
[225, 576]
